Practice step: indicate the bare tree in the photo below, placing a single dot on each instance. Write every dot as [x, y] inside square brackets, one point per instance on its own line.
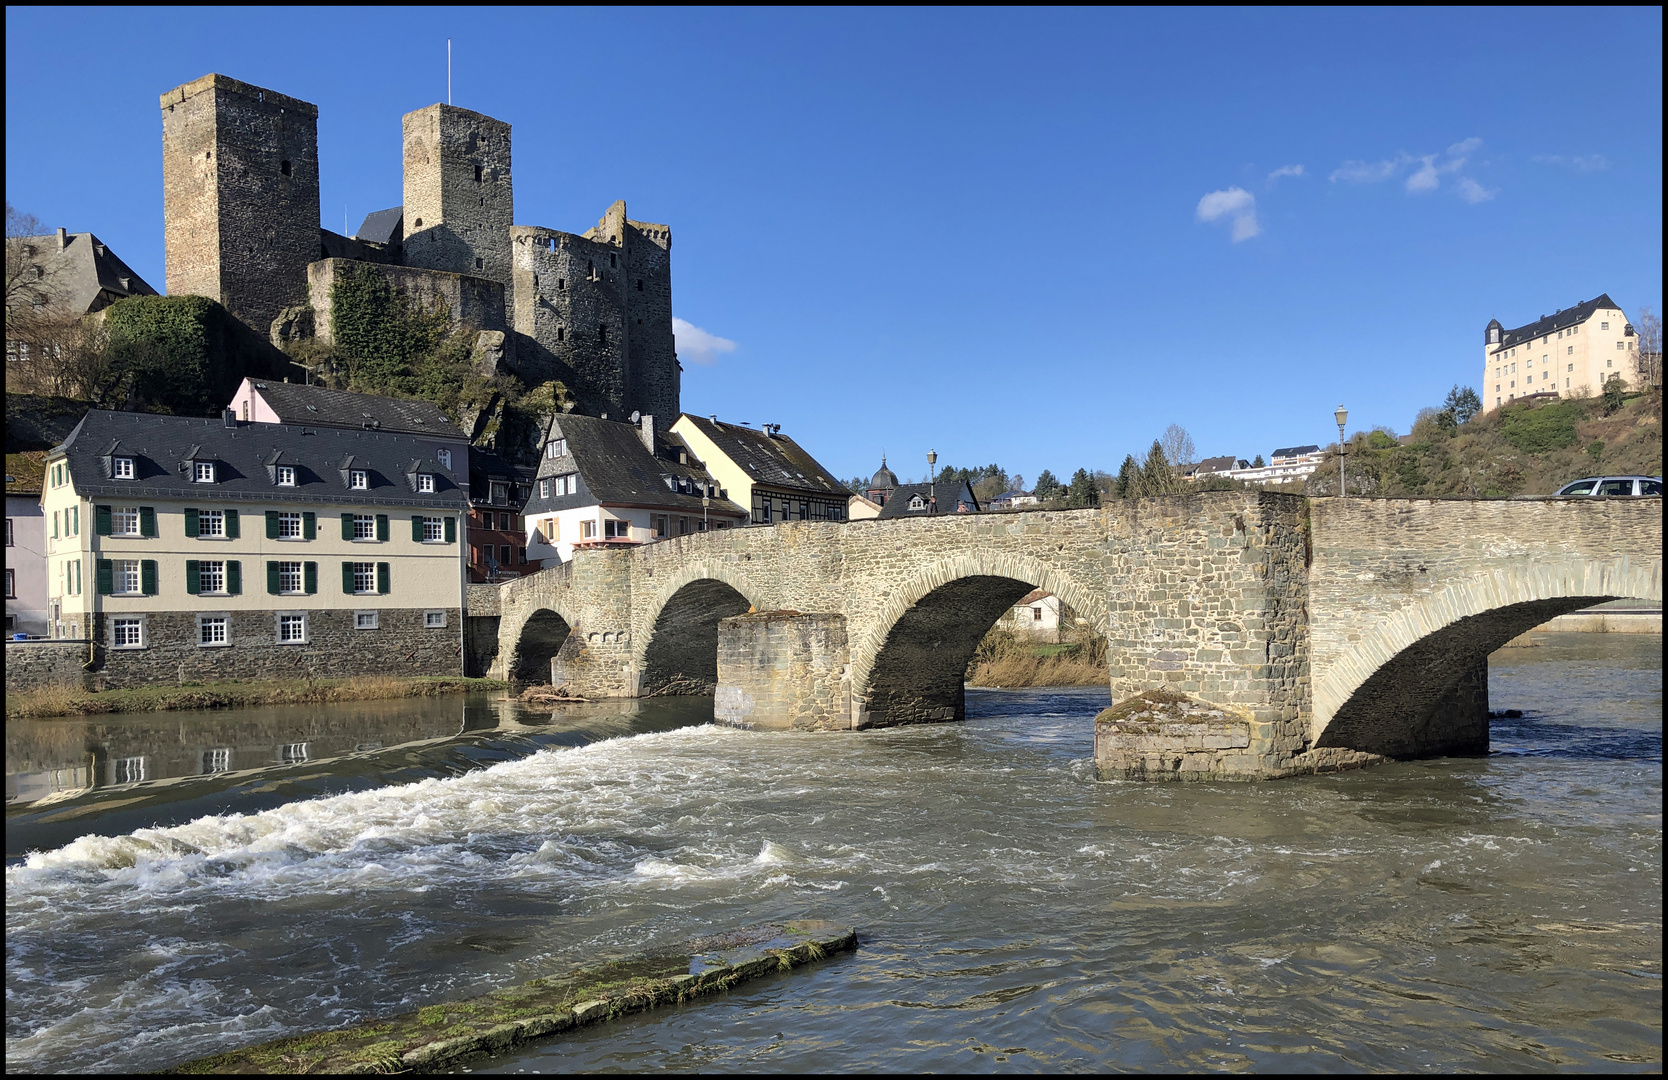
[35, 321]
[1178, 448]
[1648, 359]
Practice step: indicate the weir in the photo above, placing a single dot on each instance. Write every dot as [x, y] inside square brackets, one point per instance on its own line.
[1314, 634]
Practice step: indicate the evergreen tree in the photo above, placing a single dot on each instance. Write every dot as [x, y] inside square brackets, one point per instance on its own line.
[1463, 403]
[1156, 477]
[1082, 492]
[1129, 479]
[1047, 487]
[1258, 463]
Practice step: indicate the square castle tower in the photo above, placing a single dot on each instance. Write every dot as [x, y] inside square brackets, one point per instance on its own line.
[241, 212]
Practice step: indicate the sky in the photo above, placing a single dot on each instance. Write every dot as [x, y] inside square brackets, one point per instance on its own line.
[1028, 237]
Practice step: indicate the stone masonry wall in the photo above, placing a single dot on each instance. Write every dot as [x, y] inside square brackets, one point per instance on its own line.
[459, 196]
[781, 669]
[31, 665]
[240, 176]
[475, 302]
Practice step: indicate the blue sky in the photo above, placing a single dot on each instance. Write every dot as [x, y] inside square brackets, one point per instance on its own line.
[1029, 237]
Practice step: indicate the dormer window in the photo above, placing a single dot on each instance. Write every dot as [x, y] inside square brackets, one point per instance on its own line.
[122, 468]
[556, 448]
[445, 457]
[917, 503]
[202, 472]
[359, 479]
[425, 483]
[500, 491]
[286, 476]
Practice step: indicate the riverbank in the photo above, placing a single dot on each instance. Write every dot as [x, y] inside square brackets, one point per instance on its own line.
[1008, 661]
[52, 701]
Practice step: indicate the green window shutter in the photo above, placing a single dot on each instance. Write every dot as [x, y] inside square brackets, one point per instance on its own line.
[347, 529]
[310, 577]
[417, 528]
[147, 521]
[272, 524]
[382, 526]
[101, 520]
[309, 525]
[347, 578]
[233, 529]
[272, 578]
[382, 579]
[451, 530]
[191, 526]
[193, 577]
[106, 577]
[147, 577]
[234, 577]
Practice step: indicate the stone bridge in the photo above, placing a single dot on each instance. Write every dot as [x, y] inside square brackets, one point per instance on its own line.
[1289, 634]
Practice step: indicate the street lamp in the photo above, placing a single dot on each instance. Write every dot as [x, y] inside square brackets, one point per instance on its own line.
[932, 482]
[1341, 415]
[706, 501]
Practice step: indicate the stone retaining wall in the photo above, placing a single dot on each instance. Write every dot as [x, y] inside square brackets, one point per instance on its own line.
[31, 665]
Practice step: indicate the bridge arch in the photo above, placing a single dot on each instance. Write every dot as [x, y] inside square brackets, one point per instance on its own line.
[679, 654]
[1415, 684]
[539, 638]
[909, 667]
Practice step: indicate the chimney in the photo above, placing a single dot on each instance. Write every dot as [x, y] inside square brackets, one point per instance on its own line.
[229, 417]
[645, 428]
[63, 238]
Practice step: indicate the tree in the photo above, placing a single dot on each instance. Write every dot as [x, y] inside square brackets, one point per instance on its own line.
[1648, 359]
[1463, 402]
[1082, 492]
[36, 324]
[1157, 478]
[1128, 484]
[1047, 487]
[1257, 462]
[1178, 448]
[1615, 392]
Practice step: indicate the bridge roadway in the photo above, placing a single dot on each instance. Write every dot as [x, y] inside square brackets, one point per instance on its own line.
[1324, 632]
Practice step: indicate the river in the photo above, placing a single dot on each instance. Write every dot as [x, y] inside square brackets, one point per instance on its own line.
[1499, 913]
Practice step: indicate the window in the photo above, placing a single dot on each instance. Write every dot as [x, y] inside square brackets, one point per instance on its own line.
[683, 526]
[1616, 487]
[214, 630]
[364, 526]
[545, 487]
[504, 555]
[286, 476]
[552, 530]
[1604, 326]
[211, 523]
[217, 760]
[72, 578]
[506, 522]
[477, 174]
[289, 526]
[127, 770]
[122, 468]
[1570, 350]
[9, 532]
[587, 530]
[292, 629]
[203, 472]
[434, 530]
[359, 479]
[500, 491]
[284, 167]
[211, 576]
[1569, 367]
[1619, 346]
[1036, 614]
[616, 530]
[657, 525]
[364, 577]
[364, 620]
[445, 457]
[125, 578]
[425, 482]
[127, 633]
[521, 556]
[556, 448]
[124, 521]
[11, 584]
[290, 578]
[434, 620]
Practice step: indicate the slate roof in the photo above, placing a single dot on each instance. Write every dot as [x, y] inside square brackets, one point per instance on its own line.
[316, 406]
[246, 458]
[773, 460]
[380, 226]
[1219, 464]
[86, 274]
[1558, 320]
[897, 506]
[486, 466]
[616, 469]
[1295, 451]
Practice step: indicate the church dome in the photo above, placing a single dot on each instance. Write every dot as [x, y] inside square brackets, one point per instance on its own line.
[885, 479]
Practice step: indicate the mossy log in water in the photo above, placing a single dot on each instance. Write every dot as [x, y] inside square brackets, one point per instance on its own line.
[441, 1036]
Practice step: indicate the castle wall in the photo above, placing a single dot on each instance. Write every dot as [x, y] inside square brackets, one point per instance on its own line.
[240, 172]
[655, 379]
[570, 312]
[473, 301]
[459, 199]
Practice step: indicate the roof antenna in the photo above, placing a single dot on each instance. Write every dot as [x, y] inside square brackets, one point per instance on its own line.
[448, 71]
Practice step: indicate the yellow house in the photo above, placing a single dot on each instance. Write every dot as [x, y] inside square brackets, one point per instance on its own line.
[766, 471]
[190, 549]
[1570, 353]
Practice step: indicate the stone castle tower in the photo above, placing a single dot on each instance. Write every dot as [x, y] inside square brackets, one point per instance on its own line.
[241, 195]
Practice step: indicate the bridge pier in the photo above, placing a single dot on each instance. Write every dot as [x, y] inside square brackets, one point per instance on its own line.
[783, 670]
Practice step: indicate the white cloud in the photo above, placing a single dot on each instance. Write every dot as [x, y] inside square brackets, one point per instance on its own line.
[1286, 170]
[696, 344]
[1579, 162]
[1473, 192]
[1236, 205]
[1361, 172]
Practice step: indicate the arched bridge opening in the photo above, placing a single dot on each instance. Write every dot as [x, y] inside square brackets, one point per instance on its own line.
[919, 672]
[681, 656]
[542, 637]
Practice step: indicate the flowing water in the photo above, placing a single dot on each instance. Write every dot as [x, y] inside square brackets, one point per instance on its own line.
[1015, 913]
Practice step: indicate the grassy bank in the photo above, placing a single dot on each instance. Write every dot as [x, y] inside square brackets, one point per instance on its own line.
[1004, 659]
[70, 701]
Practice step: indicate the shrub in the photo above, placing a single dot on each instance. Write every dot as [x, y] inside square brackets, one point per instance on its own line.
[1538, 430]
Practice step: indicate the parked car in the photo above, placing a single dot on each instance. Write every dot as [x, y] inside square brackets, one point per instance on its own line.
[1614, 485]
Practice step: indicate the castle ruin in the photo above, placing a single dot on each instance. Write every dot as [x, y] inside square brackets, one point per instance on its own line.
[240, 172]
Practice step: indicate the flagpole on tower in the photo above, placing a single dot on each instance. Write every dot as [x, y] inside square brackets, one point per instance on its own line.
[448, 71]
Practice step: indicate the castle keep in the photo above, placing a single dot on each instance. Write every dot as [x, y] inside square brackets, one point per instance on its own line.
[241, 211]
